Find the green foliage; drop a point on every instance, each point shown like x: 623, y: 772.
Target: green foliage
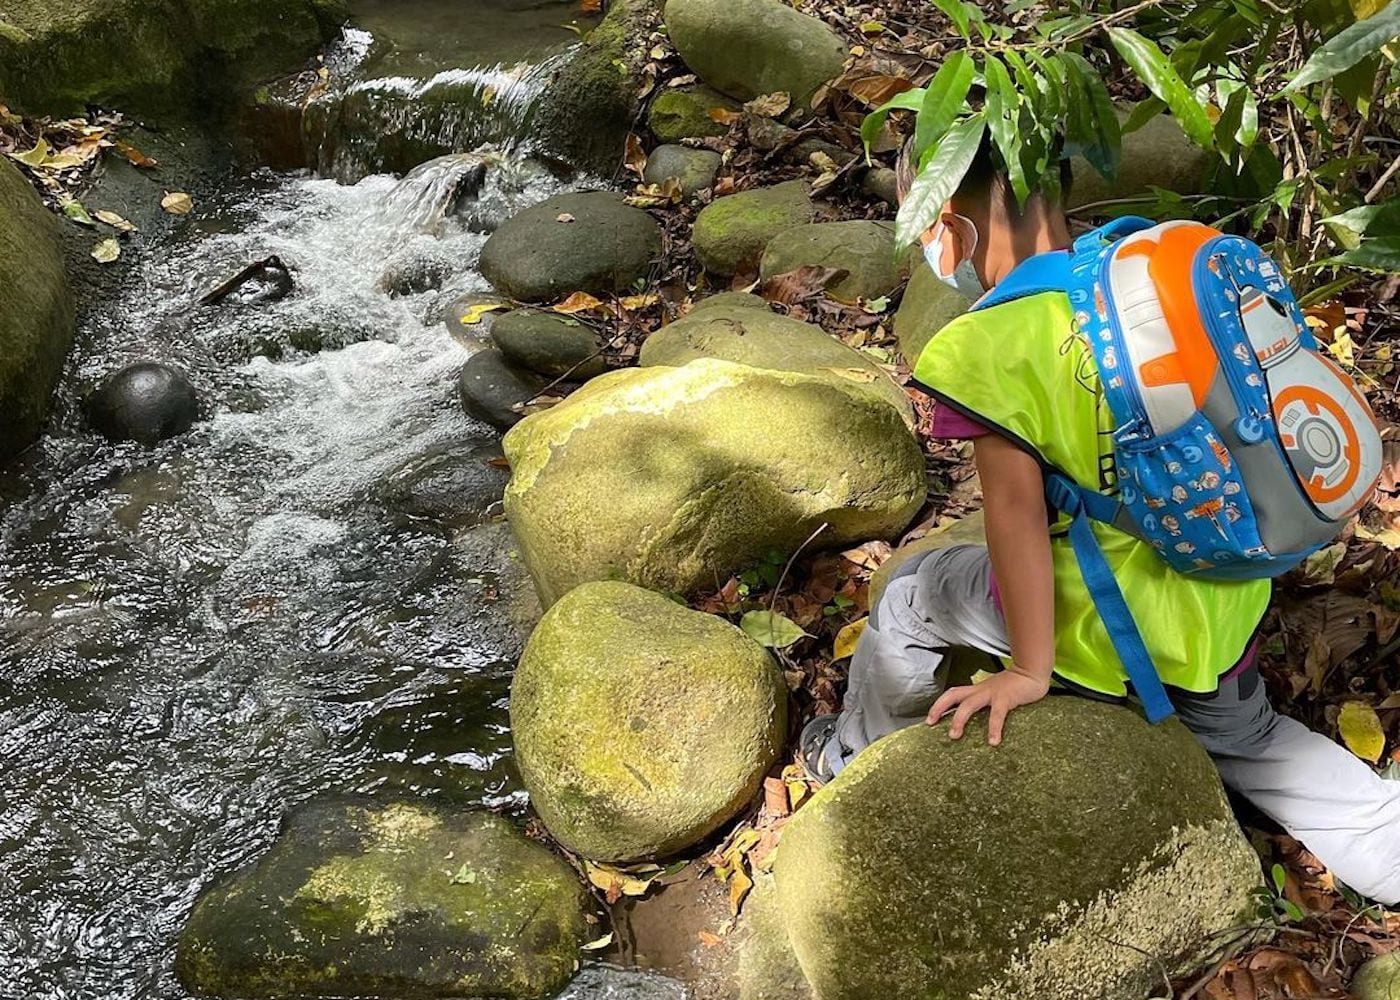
x: 1294, y: 101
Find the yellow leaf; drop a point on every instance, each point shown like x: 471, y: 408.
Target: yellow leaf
x: 739, y: 886
x: 114, y: 220
x: 577, y: 303
x: 1361, y: 730
x: 177, y: 203
x: 476, y: 313
x: 599, y: 944
x: 631, y: 302
x: 1342, y: 348
x: 1389, y: 537
x: 797, y: 792
x: 847, y: 638
x: 106, y: 251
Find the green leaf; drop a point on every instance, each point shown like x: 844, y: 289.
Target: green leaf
x: 1349, y: 46
x: 939, y: 180
x: 1094, y: 124
x: 958, y: 12
x: 1278, y: 876
x: 768, y: 628
x: 910, y: 100
x: 1157, y: 72
x: 1373, y: 255
x: 944, y: 101
x: 1003, y: 112
x: 1143, y: 112
x: 1376, y: 220
x: 73, y: 208
x: 1294, y: 911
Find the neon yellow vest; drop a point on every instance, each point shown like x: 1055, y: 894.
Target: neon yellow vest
x: 1020, y: 368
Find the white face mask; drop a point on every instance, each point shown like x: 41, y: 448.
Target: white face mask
x: 963, y: 275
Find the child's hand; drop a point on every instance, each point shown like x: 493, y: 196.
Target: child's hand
x: 1001, y: 693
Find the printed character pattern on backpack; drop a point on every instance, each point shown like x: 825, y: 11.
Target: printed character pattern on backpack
x: 1240, y: 447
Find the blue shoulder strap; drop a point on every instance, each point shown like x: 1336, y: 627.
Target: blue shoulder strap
x: 1050, y: 272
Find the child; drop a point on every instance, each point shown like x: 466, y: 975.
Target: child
x: 1017, y: 379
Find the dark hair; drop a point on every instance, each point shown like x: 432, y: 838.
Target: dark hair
x: 984, y: 177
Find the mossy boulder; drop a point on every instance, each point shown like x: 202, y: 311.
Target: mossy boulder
x: 640, y: 725
x: 727, y: 300
x: 763, y: 339
x: 969, y: 530
x: 1156, y: 155
x: 750, y: 47
x: 684, y: 113
x: 927, y: 307
x: 861, y: 247
x: 731, y: 233
x: 58, y: 56
x: 675, y: 478
x: 367, y: 899
x: 1379, y: 979
x: 589, y: 103
x: 549, y: 344
x: 693, y: 169
x: 36, y: 311
x: 1078, y: 859
x: 588, y: 242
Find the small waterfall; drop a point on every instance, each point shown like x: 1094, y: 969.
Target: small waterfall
x: 391, y: 124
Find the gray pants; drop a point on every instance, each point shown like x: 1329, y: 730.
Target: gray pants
x: 1314, y: 788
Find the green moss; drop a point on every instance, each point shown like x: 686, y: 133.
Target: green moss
x: 673, y: 478
x: 731, y: 233
x: 684, y: 113
x: 400, y: 900
x: 1086, y: 825
x: 640, y: 725
x: 36, y: 320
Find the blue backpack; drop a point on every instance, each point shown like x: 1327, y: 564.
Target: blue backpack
x: 1240, y: 448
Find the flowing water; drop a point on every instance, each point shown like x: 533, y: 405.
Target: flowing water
x: 310, y: 592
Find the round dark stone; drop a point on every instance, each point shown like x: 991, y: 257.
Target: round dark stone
x: 146, y: 402
x: 490, y: 388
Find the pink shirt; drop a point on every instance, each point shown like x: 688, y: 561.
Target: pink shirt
x: 949, y: 424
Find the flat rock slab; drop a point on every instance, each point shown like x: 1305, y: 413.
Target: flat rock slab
x: 763, y: 339
x: 862, y: 248
x: 640, y: 725
x: 731, y: 233
x: 590, y: 242
x: 400, y: 900
x: 746, y: 48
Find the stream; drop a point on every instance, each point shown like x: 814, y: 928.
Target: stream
x: 308, y: 593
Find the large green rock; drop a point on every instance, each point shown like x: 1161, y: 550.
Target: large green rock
x: 750, y: 47
x: 1078, y: 859
x: 549, y: 344
x: 763, y: 339
x: 1379, y: 979
x: 641, y: 726
x: 398, y: 900
x: 57, y: 56
x: 1156, y: 155
x: 684, y: 113
x: 927, y: 307
x: 731, y: 233
x: 861, y: 247
x: 36, y: 311
x: 675, y: 478
x: 588, y: 242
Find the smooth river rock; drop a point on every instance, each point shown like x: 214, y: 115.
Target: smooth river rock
x: 676, y: 478
x: 589, y: 242
x: 146, y: 402
x: 1379, y: 979
x: 761, y: 338
x: 862, y: 248
x: 36, y: 311
x: 732, y: 232
x: 684, y: 113
x: 401, y: 900
x: 491, y: 388
x: 928, y: 306
x: 693, y: 169
x: 746, y: 48
x: 1066, y: 862
x: 641, y: 726
x: 549, y: 344
x: 1156, y: 155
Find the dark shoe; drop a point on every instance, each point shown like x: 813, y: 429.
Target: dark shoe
x: 816, y: 736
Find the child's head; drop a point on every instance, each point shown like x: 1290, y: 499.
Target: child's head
x: 982, y: 231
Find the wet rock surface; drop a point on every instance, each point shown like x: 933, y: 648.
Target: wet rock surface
x: 491, y: 388
x: 391, y: 900
x: 36, y: 311
x: 640, y: 725
x: 146, y: 403
x: 590, y: 242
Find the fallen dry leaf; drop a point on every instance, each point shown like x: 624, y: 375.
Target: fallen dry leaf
x: 177, y: 203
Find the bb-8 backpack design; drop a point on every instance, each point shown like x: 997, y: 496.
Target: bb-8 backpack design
x: 1240, y: 448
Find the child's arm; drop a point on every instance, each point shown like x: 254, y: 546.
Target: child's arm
x: 1019, y: 544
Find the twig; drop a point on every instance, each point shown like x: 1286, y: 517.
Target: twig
x: 773, y: 599
x: 1376, y: 190
x: 564, y: 377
